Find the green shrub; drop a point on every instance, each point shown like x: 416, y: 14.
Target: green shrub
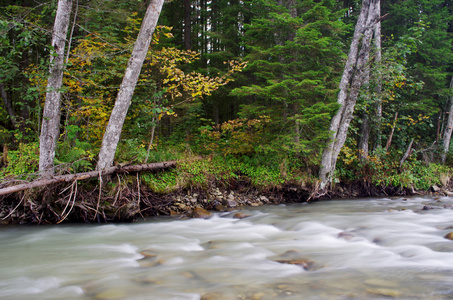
x: 24, y: 160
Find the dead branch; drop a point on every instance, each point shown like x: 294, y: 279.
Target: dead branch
x: 86, y: 175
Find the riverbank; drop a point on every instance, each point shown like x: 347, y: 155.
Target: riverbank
x: 192, y: 186
x: 128, y: 199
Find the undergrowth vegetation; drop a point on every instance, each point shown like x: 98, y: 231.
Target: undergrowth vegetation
x: 263, y: 171
x: 385, y: 169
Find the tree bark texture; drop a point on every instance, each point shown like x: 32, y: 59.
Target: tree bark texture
x: 50, y: 129
x: 87, y: 175
x: 378, y: 88
x: 113, y: 131
x: 351, y: 81
x: 389, y: 140
x: 8, y: 105
x: 187, y: 24
x: 448, y: 127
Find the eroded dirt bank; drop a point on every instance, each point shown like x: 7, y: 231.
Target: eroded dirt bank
x: 127, y: 202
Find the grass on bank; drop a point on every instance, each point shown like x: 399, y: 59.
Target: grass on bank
x: 260, y: 171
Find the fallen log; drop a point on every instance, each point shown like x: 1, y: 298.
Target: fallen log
x: 86, y: 175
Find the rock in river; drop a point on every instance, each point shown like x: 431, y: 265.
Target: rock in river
x: 202, y: 213
x: 449, y: 236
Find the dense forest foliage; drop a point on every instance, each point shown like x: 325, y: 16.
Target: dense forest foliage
x: 251, y: 86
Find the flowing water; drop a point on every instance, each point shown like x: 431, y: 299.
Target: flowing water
x: 346, y: 249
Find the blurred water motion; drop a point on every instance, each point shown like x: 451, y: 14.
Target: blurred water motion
x: 345, y: 249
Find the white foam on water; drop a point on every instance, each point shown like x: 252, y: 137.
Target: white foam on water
x: 21, y: 286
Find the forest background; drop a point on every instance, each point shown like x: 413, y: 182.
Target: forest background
x: 233, y: 90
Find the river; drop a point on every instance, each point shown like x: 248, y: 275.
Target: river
x: 339, y: 249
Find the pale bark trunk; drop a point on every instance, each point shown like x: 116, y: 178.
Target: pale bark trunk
x: 350, y: 84
x: 113, y: 131
x: 378, y: 90
x: 50, y: 129
x: 364, y: 137
x: 407, y: 154
x: 448, y: 128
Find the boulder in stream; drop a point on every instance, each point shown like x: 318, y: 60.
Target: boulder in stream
x: 202, y: 213
x: 449, y: 236
x: 294, y: 257
x: 240, y: 215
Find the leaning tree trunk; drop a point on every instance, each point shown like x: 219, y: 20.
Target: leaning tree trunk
x: 367, y: 120
x: 378, y: 79
x: 448, y: 128
x: 113, y: 131
x: 50, y: 129
x: 351, y: 81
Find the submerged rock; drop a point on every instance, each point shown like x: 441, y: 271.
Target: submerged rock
x: 346, y: 235
x: 116, y: 293
x: 294, y: 257
x: 384, y: 292
x: 240, y: 215
x: 148, y: 260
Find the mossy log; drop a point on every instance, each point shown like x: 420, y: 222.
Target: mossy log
x: 87, y: 175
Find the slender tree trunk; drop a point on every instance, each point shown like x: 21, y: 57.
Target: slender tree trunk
x: 50, y: 129
x: 389, y: 140
x: 8, y: 105
x: 448, y: 127
x: 364, y: 137
x: 187, y: 24
x: 407, y: 153
x: 351, y: 81
x: 113, y: 131
x: 378, y: 88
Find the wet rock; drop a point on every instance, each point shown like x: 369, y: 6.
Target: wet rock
x: 381, y: 283
x: 346, y: 235
x: 257, y: 296
x: 435, y: 189
x: 240, y: 215
x: 384, y: 292
x: 149, y: 259
x: 230, y: 202
x: 112, y: 294
x: 427, y: 207
x: 449, y: 236
x: 444, y: 227
x: 202, y: 213
x: 212, y: 297
x: 219, y: 207
x: 448, y: 193
x: 294, y: 257
x: 306, y: 264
